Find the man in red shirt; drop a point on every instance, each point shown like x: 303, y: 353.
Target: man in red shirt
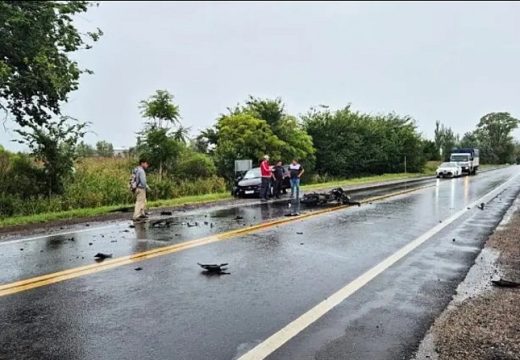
x: 265, y: 171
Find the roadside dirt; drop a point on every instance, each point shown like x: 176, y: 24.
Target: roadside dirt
x: 483, y: 321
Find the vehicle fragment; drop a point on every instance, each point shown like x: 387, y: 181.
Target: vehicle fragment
x: 102, y: 256
x: 335, y: 195
x: 214, y: 268
x: 505, y: 283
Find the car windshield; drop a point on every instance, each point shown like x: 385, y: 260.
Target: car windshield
x: 459, y: 157
x: 447, y: 164
x: 252, y: 174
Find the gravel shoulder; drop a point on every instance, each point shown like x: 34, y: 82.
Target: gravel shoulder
x: 483, y: 320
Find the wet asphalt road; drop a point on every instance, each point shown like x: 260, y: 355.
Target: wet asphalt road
x: 169, y: 310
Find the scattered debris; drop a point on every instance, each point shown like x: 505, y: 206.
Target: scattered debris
x: 41, y: 251
x: 301, y: 243
x: 211, y: 225
x: 72, y: 239
x: 299, y: 233
x: 138, y: 269
x: 90, y: 244
x: 206, y: 223
x: 113, y: 241
x: 103, y: 236
x: 101, y: 256
x: 469, y: 208
x: 166, y: 213
x: 191, y: 225
x: 21, y: 249
x: 87, y: 225
x: 131, y: 226
x: 505, y: 283
x: 126, y: 231
x: 453, y: 239
x: 214, y: 269
x: 239, y: 218
x: 481, y: 206
x: 177, y: 234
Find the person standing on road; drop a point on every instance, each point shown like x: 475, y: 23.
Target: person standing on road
x: 266, y: 173
x: 278, y: 174
x: 296, y: 171
x: 140, y: 187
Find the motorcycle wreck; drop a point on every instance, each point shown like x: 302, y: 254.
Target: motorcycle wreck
x: 337, y: 195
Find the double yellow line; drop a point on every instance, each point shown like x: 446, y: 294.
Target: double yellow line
x: 52, y: 278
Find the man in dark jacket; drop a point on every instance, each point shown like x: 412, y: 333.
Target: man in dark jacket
x: 278, y: 173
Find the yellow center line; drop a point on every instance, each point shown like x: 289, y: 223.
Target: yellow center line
x: 52, y: 278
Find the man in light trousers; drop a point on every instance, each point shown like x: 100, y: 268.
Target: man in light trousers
x: 140, y: 191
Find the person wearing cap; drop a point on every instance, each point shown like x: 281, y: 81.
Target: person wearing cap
x: 265, y: 172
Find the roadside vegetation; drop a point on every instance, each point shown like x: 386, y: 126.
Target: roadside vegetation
x: 61, y: 176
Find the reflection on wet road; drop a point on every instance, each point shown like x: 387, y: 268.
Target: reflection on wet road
x: 169, y: 310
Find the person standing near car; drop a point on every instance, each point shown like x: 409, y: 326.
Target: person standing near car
x: 296, y: 171
x: 266, y: 174
x: 278, y: 174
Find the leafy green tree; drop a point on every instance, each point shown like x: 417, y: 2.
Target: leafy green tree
x: 161, y: 143
x: 494, y: 135
x: 160, y: 149
x: 36, y: 72
x: 160, y: 110
x: 469, y: 140
x: 54, y: 144
x: 298, y: 144
x: 242, y: 136
x: 206, y: 141
x: 104, y: 149
x: 430, y: 151
x: 445, y: 140
x: 193, y: 165
x: 350, y: 143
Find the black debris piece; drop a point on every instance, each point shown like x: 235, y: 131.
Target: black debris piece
x: 131, y: 226
x: 72, y: 239
x: 103, y: 236
x: 214, y: 269
x: 21, y: 249
x: 239, y: 218
x: 453, y: 239
x: 113, y: 241
x: 166, y: 213
x: 206, y: 223
x: 191, y: 225
x: 177, y: 234
x: 301, y: 243
x: 138, y: 269
x: 100, y: 256
x: 90, y: 244
x: 299, y: 233
x: 481, y: 206
x: 87, y: 225
x: 211, y: 225
x: 126, y: 231
x: 505, y: 283
x: 41, y: 251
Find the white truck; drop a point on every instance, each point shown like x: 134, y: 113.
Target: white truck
x: 467, y: 159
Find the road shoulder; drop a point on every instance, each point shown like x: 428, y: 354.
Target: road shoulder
x: 483, y: 321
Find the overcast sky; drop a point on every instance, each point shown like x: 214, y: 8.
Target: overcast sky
x: 452, y: 62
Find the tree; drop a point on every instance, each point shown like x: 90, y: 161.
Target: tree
x: 159, y: 145
x: 36, y: 73
x: 160, y: 149
x: 54, y: 144
x: 445, y: 140
x: 242, y: 136
x: 494, y: 134
x: 104, y: 149
x: 160, y: 110
x: 298, y: 144
x: 350, y: 143
x: 469, y: 140
x: 206, y: 141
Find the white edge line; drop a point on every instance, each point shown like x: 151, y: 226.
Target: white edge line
x: 6, y: 242
x: 275, y: 341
